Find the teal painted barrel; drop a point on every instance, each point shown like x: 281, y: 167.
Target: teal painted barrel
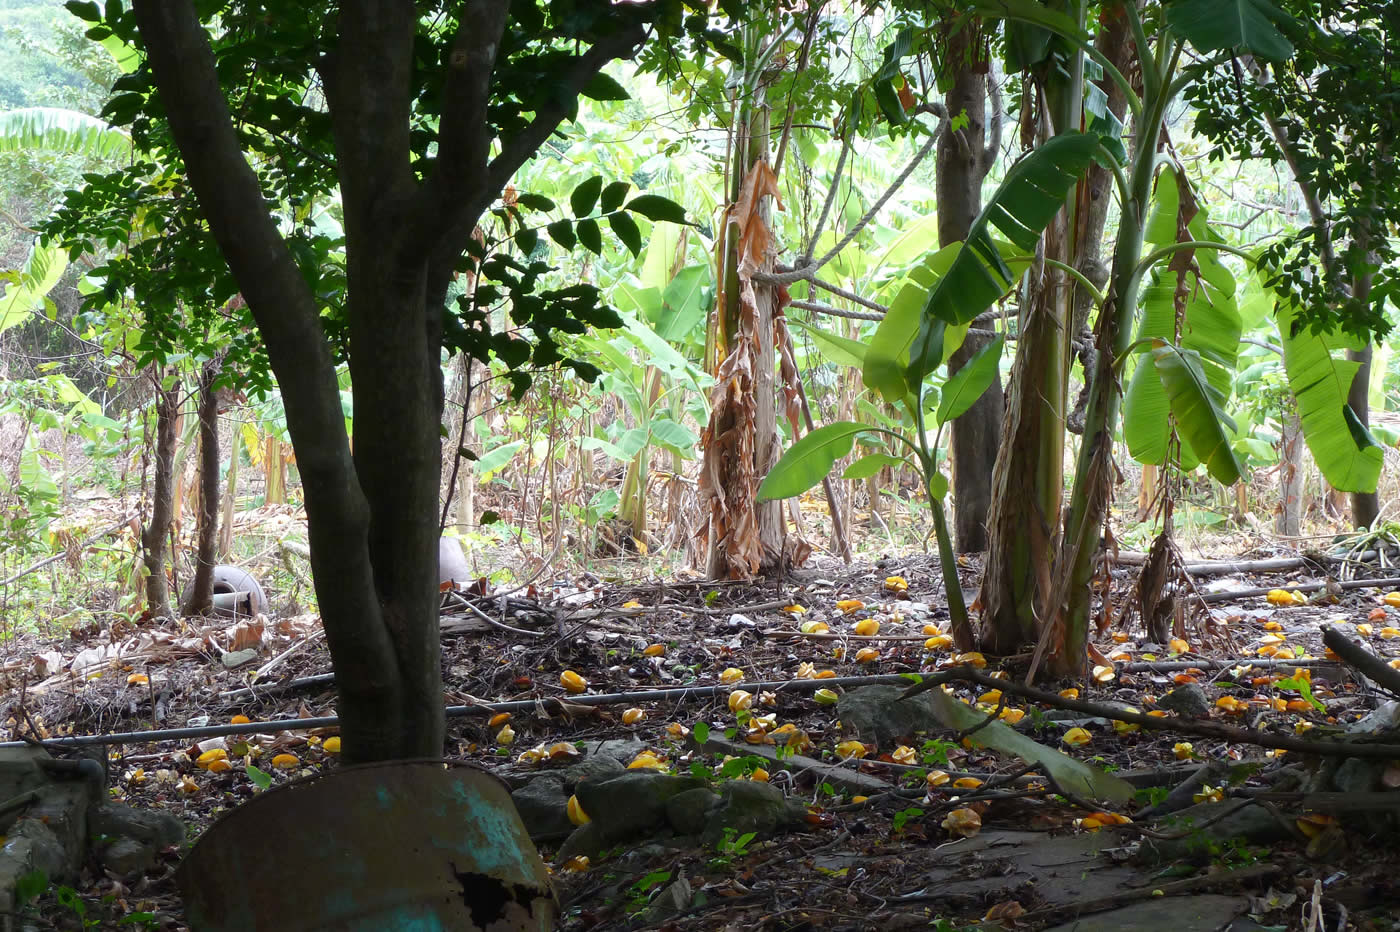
x: 403, y: 846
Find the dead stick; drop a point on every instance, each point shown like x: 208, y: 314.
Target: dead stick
x: 1373, y: 667
x: 1390, y: 581
x: 1176, y: 724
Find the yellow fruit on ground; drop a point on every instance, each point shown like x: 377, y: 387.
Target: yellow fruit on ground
x: 573, y: 682
x: 632, y: 716
x: 576, y: 813
x: 867, y: 627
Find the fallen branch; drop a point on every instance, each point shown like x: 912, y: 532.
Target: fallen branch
x: 1388, y: 581
x: 1206, y: 729
x: 1355, y: 654
x: 1231, y: 567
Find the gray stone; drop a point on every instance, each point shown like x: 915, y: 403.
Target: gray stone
x: 675, y: 897
x: 593, y: 767
x: 586, y: 841
x: 237, y: 658
x: 632, y: 803
x: 1358, y: 776
x: 1178, y: 913
x: 157, y: 828
x: 689, y: 812
x: 543, y: 807
x: 127, y: 857
x: 1243, y: 821
x: 1188, y: 701
x: 746, y: 806
x: 20, y: 770
x: 620, y: 749
x: 876, y: 714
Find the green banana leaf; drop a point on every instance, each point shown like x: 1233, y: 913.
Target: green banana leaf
x: 55, y: 129
x: 1211, y: 327
x: 1349, y: 457
x: 1199, y: 409
x: 809, y: 460
x: 1072, y: 774
x: 1246, y: 25
x: 870, y: 464
x: 840, y: 350
x: 969, y: 383
x: 1032, y: 193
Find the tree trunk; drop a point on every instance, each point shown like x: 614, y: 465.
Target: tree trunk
x: 157, y: 529
x: 372, y: 517
x: 1289, y: 522
x: 741, y: 441
x: 964, y: 157
x: 199, y: 598
x: 230, y: 508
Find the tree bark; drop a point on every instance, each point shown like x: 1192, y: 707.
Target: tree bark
x: 1291, y: 476
x: 963, y: 158
x: 372, y: 517
x: 199, y: 598
x: 157, y: 529
x: 1365, y: 506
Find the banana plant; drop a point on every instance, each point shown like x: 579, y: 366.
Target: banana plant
x: 812, y: 458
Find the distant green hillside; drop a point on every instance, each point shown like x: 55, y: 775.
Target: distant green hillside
x: 41, y: 63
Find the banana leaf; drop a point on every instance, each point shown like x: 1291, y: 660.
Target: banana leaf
x: 1349, y: 457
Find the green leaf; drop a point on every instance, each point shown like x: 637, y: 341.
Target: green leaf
x: 870, y: 464
x: 496, y: 459
x: 969, y: 383
x: 526, y: 238
x: 562, y: 232
x: 655, y: 207
x: 1348, y: 456
x: 840, y: 350
x: 675, y: 435
x: 590, y: 236
x: 534, y: 202
x: 1245, y: 25
x: 684, y: 302
x: 53, y: 129
x: 887, y: 353
x: 1034, y: 190
x: 613, y: 196
x: 809, y: 460
x: 626, y: 229
x: 938, y: 486
x: 583, y: 198
x: 1198, y: 408
x: 261, y: 778
x: 1073, y: 775
x: 604, y: 87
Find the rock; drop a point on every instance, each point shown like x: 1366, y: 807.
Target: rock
x: 127, y: 857
x: 586, y: 841
x: 689, y: 812
x: 741, y: 622
x: 676, y: 896
x: 631, y: 803
x: 876, y: 714
x: 1244, y: 821
x: 1188, y: 701
x: 1355, y: 775
x: 619, y: 749
x: 594, y: 767
x: 1178, y: 913
x: 746, y: 806
x: 157, y: 828
x: 543, y: 806
x: 237, y: 658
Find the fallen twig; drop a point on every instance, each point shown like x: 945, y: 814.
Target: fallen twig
x: 1208, y: 729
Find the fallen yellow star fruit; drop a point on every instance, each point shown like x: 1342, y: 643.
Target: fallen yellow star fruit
x: 1076, y: 737
x: 867, y: 627
x: 573, y: 682
x: 576, y: 813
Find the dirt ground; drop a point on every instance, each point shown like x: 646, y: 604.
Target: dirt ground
x: 871, y: 859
